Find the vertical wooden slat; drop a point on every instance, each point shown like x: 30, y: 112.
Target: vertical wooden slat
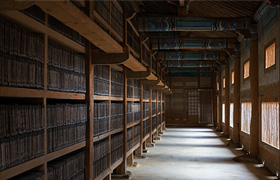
x: 150, y: 140
x: 237, y: 112
x: 254, y: 82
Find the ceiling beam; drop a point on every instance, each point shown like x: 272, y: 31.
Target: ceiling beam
x: 192, y: 43
x: 166, y: 24
x: 187, y: 55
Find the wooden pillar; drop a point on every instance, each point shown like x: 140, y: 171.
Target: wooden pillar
x: 254, y: 82
x: 220, y: 101
x: 90, y: 108
x: 237, y: 111
x: 90, y: 103
x: 130, y: 159
x: 121, y: 169
x: 226, y: 130
x: 214, y: 86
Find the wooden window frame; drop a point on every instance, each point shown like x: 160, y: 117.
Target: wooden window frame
x: 272, y: 67
x: 248, y: 60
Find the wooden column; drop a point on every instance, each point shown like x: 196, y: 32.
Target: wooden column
x: 226, y: 130
x: 254, y: 82
x: 237, y: 111
x: 220, y: 101
x: 121, y: 169
x: 90, y: 102
x: 90, y: 108
x: 214, y: 94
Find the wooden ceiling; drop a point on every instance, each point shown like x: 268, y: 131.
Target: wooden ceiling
x: 213, y: 9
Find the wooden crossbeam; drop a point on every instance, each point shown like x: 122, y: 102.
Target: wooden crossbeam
x: 192, y: 43
x: 138, y: 75
x: 15, y: 4
x: 187, y: 55
x: 166, y: 24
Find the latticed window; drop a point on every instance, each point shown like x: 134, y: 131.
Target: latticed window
x: 246, y: 114
x: 246, y: 69
x: 270, y: 123
x: 231, y: 108
x: 270, y: 56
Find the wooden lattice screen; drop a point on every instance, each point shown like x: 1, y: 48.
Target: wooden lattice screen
x: 270, y: 123
x: 205, y: 97
x: 246, y: 114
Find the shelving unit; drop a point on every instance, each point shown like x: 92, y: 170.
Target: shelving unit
x: 99, y: 32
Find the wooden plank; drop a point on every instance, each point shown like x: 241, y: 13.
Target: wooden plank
x: 133, y: 124
x: 37, y: 27
x: 11, y: 172
x: 132, y: 149
x: 145, y: 138
x: 14, y: 4
x: 145, y: 119
x: 152, y: 76
x: 103, y: 175
x: 151, y: 82
x: 100, y: 137
x: 63, y: 95
x: 116, y: 131
x: 133, y: 64
x: 71, y: 16
x: 64, y: 151
x: 21, y: 92
x: 16, y: 170
x: 116, y: 164
x: 133, y: 99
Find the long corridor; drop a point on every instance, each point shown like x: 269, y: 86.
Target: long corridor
x: 194, y: 154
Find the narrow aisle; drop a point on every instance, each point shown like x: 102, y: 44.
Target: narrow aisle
x: 194, y: 154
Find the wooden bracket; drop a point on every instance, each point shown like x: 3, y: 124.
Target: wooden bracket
x: 230, y: 51
x: 245, y: 33
x: 109, y: 58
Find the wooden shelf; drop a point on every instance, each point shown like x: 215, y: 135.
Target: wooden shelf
x: 107, y: 98
x: 154, y: 100
x: 116, y: 164
x: 132, y: 149
x: 64, y: 151
x: 16, y: 170
x: 146, y: 100
x: 133, y: 99
x: 37, y: 27
x: 154, y: 131
x: 100, y: 137
x: 152, y: 77
x: 133, y: 64
x: 36, y: 93
x: 145, y: 119
x: 73, y: 17
x: 116, y: 131
x: 154, y: 115
x: 104, y: 174
x: 145, y: 138
x: 133, y: 124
